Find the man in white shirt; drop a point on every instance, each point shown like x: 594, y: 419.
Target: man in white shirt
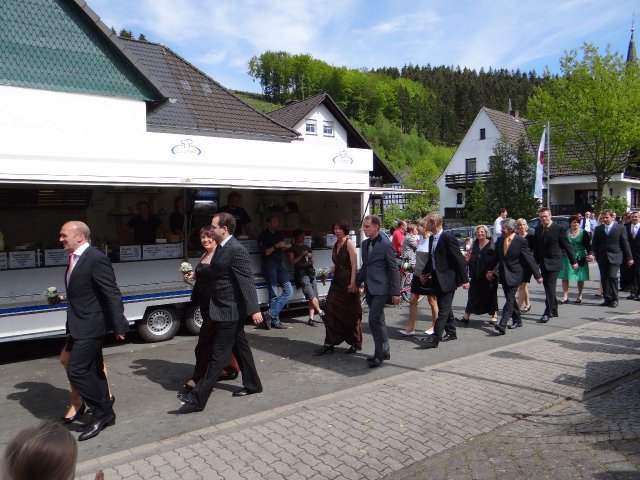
x: 588, y: 223
x: 633, y: 234
x: 497, y: 225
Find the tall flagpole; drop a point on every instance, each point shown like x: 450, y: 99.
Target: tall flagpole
x: 548, y: 164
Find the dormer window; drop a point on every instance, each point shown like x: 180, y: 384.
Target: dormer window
x: 483, y: 134
x: 327, y: 128
x: 310, y: 127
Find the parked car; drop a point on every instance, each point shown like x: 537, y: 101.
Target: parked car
x: 563, y: 220
x: 461, y: 233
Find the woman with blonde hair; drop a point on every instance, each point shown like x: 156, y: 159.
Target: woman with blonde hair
x: 524, y: 300
x: 44, y: 452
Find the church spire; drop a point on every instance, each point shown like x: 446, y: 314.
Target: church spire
x: 631, y: 52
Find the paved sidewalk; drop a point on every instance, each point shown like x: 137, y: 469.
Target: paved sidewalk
x: 376, y: 429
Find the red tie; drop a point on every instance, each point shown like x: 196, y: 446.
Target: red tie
x: 72, y: 263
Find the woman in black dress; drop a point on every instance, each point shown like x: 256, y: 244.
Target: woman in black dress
x: 343, y: 311
x: 201, y: 295
x: 483, y: 293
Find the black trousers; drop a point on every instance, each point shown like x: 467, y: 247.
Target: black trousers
x: 229, y: 338
x: 549, y: 282
x: 445, y: 321
x: 510, y: 309
x: 609, y: 279
x: 85, y: 372
x: 635, y: 278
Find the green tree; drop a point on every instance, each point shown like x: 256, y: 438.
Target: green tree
x: 594, y: 104
x: 476, y: 208
x: 509, y: 182
x: 617, y: 204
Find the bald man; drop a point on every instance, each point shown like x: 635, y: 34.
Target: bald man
x: 94, y: 308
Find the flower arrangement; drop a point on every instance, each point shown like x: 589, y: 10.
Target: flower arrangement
x: 186, y: 267
x: 51, y: 295
x: 323, y: 273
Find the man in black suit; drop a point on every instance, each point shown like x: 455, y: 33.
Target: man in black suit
x: 94, y: 308
x: 550, y: 240
x: 633, y: 235
x: 610, y: 246
x: 446, y: 269
x: 381, y: 278
x: 513, y: 258
x: 234, y: 299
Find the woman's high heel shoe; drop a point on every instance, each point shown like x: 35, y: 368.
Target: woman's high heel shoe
x: 323, y: 349
x: 352, y: 349
x: 72, y: 418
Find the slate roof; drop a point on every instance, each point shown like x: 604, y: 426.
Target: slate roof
x: 509, y: 127
x: 202, y: 105
x: 292, y: 114
x: 63, y: 46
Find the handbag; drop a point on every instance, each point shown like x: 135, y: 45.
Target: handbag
x: 581, y: 261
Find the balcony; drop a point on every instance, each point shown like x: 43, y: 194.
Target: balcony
x: 632, y: 171
x: 464, y: 180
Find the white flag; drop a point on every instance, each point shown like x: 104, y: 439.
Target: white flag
x: 538, y: 180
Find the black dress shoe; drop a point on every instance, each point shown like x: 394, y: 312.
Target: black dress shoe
x: 243, y: 392
x: 448, y: 337
x: 514, y: 325
x: 632, y: 297
x: 543, y: 319
x: 385, y: 356
x: 95, y: 427
x: 352, y: 349
x: 605, y: 304
x: 463, y: 320
x: 430, y: 342
x: 279, y: 326
x: 228, y: 376
x: 500, y: 329
x: 185, y: 409
x: 613, y: 304
x: 374, y: 362
x: 323, y: 349
x: 187, y: 398
x: 72, y: 418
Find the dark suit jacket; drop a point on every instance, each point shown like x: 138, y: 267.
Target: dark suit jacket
x: 234, y: 295
x: 516, y: 262
x: 379, y: 270
x: 94, y: 299
x: 634, y: 244
x: 612, y: 248
x: 449, y: 264
x: 549, y: 247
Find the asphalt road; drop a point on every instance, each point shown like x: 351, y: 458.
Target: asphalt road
x: 146, y: 377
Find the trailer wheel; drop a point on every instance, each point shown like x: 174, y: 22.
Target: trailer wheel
x: 193, y: 319
x: 159, y: 324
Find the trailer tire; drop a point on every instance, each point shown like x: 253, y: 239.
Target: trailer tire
x: 159, y: 324
x: 193, y: 319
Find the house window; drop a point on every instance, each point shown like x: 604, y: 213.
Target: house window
x: 459, y: 198
x: 310, y: 127
x: 635, y: 198
x: 483, y: 134
x: 327, y: 128
x: 470, y: 166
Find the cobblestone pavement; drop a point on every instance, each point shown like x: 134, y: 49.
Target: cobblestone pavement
x: 434, y: 420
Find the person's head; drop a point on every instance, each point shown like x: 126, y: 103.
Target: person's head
x: 224, y: 224
x: 634, y: 217
x: 481, y: 232
x: 503, y: 212
x: 44, y: 452
x: 608, y: 216
x: 206, y: 236
x: 574, y: 222
x: 467, y: 241
x: 298, y: 236
x: 508, y: 226
x: 73, y: 234
x: 233, y: 199
x: 272, y: 222
x: 626, y: 218
x: 402, y: 225
x: 422, y: 226
x: 522, y: 227
x: 434, y: 222
x: 178, y: 204
x: 340, y: 228
x: 371, y: 226
x: 143, y: 208
x: 587, y: 214
x: 544, y: 214
x: 579, y: 215
x: 411, y: 228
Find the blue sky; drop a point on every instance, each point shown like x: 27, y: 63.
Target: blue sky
x: 220, y: 36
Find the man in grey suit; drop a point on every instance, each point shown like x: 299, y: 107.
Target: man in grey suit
x: 381, y: 277
x: 234, y: 299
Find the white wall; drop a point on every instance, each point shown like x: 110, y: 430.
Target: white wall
x: 320, y: 114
